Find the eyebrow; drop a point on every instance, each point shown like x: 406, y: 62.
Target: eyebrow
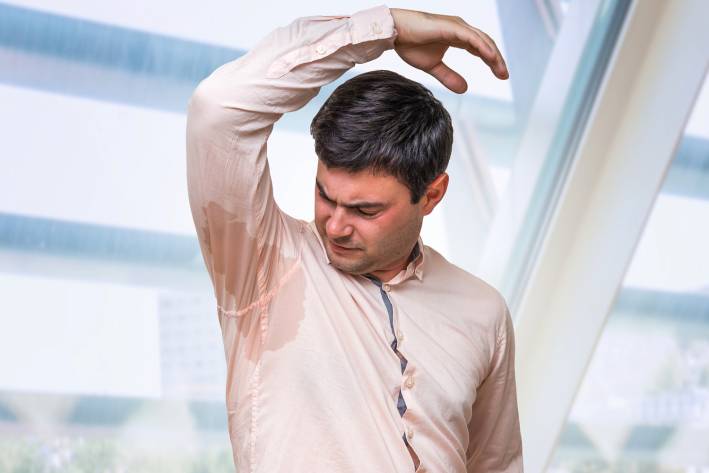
x: 352, y: 205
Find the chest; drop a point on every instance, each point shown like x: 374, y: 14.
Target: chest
x: 327, y: 337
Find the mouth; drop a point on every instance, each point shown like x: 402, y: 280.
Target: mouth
x: 340, y: 249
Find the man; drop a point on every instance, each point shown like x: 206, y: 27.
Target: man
x: 350, y: 345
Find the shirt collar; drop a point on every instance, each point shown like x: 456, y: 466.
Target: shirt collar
x: 414, y: 268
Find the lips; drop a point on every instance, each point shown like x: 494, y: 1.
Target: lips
x: 340, y: 248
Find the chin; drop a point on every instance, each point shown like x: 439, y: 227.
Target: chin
x: 347, y: 266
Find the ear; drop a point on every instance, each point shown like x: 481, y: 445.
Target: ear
x: 434, y: 193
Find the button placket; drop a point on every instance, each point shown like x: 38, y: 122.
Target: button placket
x: 385, y: 292
x: 398, y: 333
x: 408, y: 381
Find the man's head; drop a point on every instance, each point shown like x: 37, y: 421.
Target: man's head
x: 383, y: 143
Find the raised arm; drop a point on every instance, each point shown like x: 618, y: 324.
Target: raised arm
x: 245, y: 239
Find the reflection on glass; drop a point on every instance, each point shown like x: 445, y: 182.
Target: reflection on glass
x: 644, y: 403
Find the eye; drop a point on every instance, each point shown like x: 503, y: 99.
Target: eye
x: 322, y: 196
x: 367, y: 214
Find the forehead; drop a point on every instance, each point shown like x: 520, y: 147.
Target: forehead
x: 361, y: 185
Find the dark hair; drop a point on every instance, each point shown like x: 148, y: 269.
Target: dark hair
x: 387, y: 123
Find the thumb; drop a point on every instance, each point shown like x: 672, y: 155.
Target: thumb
x: 449, y: 78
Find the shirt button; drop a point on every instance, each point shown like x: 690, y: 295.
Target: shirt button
x: 410, y: 433
x: 410, y: 382
x: 320, y: 49
x: 386, y: 287
x: 376, y: 29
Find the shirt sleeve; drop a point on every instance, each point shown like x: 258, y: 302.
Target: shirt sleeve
x: 245, y: 239
x: 495, y: 440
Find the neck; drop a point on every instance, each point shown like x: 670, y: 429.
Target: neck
x: 386, y: 275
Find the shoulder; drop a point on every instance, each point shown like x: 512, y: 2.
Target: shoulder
x: 485, y: 303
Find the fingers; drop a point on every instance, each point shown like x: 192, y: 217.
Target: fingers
x: 449, y: 78
x: 478, y: 43
x: 501, y: 66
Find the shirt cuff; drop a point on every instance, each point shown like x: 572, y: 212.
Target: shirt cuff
x: 373, y: 23
x: 362, y: 27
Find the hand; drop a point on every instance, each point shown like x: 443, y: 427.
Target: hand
x: 423, y: 38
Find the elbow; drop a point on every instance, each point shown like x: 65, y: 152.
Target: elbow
x: 202, y: 102
x: 218, y: 105
x: 207, y: 117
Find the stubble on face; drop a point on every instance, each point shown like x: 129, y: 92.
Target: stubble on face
x: 382, y: 245
x: 390, y: 251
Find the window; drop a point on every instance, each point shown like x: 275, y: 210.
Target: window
x: 110, y: 351
x: 644, y: 402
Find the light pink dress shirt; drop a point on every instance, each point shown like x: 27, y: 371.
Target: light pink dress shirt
x: 312, y: 380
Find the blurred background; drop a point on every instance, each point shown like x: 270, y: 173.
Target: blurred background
x: 579, y: 188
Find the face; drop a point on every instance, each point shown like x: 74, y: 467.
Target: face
x: 367, y: 222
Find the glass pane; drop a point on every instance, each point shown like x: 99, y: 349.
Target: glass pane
x: 644, y: 403
x: 110, y: 351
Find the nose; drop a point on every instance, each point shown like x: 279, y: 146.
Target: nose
x: 337, y: 225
